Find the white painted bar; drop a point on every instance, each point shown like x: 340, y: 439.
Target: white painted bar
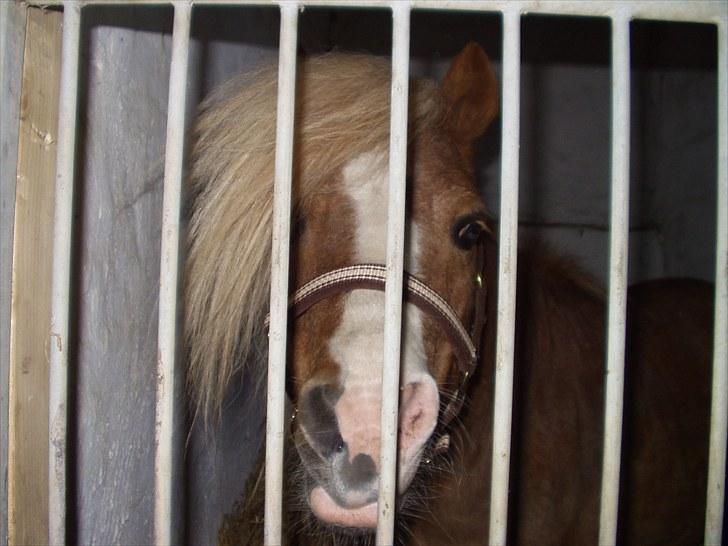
x: 164, y: 456
x: 62, y: 230
x: 507, y: 265
x: 275, y: 430
x: 719, y: 409
x: 395, y: 272
x: 617, y: 297
x: 705, y: 11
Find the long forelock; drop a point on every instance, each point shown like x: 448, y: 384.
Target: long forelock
x: 342, y: 111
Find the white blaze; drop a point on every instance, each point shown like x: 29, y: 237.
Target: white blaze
x: 357, y: 344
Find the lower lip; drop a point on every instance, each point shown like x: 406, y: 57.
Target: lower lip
x: 326, y: 509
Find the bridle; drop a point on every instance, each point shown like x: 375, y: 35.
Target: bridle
x: 373, y: 277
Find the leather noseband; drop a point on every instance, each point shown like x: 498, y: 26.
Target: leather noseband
x: 373, y: 277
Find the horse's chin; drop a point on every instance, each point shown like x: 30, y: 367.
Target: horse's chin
x: 357, y: 516
x: 330, y: 512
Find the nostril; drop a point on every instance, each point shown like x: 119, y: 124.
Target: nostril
x: 411, y: 425
x: 330, y: 444
x: 318, y: 420
x: 419, y: 406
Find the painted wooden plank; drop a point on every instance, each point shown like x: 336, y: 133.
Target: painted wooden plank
x: 12, y: 43
x: 31, y: 282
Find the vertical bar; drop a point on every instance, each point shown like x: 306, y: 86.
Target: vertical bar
x: 617, y: 298
x: 12, y: 48
x: 507, y: 266
x: 168, y: 286
x: 32, y: 278
x: 719, y: 409
x: 275, y: 431
x: 395, y: 268
x: 63, y: 218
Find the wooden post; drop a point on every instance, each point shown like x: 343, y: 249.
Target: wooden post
x: 31, y: 281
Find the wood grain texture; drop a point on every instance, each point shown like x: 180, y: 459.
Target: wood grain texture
x: 31, y: 281
x: 12, y: 43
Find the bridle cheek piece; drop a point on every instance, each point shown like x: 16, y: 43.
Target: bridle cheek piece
x: 373, y: 277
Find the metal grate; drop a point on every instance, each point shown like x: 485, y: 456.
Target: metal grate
x: 620, y: 13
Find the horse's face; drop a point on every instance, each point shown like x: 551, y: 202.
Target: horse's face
x: 338, y: 344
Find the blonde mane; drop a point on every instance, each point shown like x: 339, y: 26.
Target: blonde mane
x: 342, y: 111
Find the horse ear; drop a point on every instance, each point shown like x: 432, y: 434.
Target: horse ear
x: 470, y: 94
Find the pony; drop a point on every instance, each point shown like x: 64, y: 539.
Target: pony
x: 340, y: 176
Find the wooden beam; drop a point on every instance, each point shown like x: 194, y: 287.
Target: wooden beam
x: 31, y: 281
x: 12, y: 45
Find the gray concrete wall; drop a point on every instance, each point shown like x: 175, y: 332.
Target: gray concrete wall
x: 126, y: 56
x: 118, y: 221
x: 564, y: 199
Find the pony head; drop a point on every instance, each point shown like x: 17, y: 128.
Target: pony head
x: 340, y: 213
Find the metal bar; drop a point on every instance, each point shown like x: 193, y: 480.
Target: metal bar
x: 275, y: 422
x: 507, y: 266
x: 706, y: 11
x: 62, y: 229
x: 395, y: 272
x: 164, y: 532
x: 719, y: 409
x: 617, y: 298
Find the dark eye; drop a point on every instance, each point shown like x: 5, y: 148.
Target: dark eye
x: 468, y: 231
